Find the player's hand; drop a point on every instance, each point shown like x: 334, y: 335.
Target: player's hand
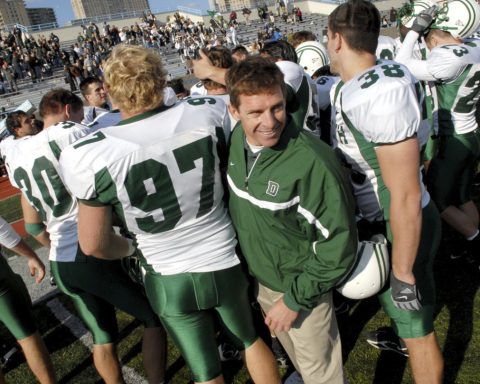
x: 36, y: 269
x: 404, y: 295
x: 202, y: 67
x: 280, y: 318
x: 424, y: 20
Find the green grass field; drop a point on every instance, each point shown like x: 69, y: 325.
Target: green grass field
x: 457, y: 324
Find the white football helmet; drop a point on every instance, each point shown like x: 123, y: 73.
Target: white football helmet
x: 459, y: 17
x: 312, y: 55
x: 409, y: 11
x: 370, y: 272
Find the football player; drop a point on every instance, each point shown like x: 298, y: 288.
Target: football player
x: 158, y: 170
x: 50, y: 212
x: 454, y: 65
x: 16, y: 307
x: 377, y: 117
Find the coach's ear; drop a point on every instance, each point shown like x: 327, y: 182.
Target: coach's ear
x: 234, y: 112
x: 67, y: 110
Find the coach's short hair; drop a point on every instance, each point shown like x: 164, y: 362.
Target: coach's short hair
x: 52, y: 102
x: 135, y: 78
x: 252, y: 76
x: 358, y: 21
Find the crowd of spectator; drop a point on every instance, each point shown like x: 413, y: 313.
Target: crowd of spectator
x: 29, y: 58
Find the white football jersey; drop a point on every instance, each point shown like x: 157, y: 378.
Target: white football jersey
x: 160, y: 171
x: 107, y: 119
x: 457, y: 70
x: 324, y: 85
x: 34, y: 169
x: 226, y: 98
x: 419, y: 52
x: 378, y: 106
x: 198, y: 89
x: 303, y: 109
x: 90, y: 114
x: 386, y: 48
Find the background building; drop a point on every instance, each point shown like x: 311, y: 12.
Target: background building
x: 230, y: 5
x: 83, y: 9
x: 42, y: 16
x: 13, y: 12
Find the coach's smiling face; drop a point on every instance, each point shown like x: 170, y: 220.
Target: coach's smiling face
x: 263, y: 116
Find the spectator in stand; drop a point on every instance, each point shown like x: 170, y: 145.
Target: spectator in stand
x: 299, y: 15
x: 233, y: 17
x: 69, y: 78
x: 8, y: 77
x: 277, y: 7
x: 246, y: 13
x: 393, y: 17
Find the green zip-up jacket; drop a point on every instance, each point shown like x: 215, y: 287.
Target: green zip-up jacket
x: 294, y: 215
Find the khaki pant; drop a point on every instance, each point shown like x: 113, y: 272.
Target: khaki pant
x: 313, y: 342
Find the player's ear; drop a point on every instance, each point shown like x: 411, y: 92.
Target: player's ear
x: 338, y: 41
x: 67, y: 111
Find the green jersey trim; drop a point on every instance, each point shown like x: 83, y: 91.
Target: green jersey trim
x: 372, y: 161
x: 55, y: 149
x: 107, y: 192
x: 92, y: 203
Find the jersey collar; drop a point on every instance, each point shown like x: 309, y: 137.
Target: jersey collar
x: 143, y: 115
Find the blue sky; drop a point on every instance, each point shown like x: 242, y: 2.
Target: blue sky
x: 63, y: 8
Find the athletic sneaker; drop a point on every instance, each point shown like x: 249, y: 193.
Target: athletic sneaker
x: 6, y: 354
x: 294, y: 378
x: 228, y: 352
x: 385, y: 339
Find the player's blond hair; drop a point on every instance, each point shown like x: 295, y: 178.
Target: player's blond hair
x: 135, y: 78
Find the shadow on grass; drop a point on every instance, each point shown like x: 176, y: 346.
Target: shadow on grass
x: 390, y: 366
x: 457, y: 284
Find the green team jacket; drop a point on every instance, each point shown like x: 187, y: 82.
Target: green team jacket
x: 294, y: 215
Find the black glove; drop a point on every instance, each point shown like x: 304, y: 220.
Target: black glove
x: 424, y: 20
x: 405, y: 296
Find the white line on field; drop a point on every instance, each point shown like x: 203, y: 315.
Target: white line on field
x: 75, y: 325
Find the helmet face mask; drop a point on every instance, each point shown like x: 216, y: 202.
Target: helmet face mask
x: 312, y: 56
x: 409, y: 11
x: 461, y: 18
